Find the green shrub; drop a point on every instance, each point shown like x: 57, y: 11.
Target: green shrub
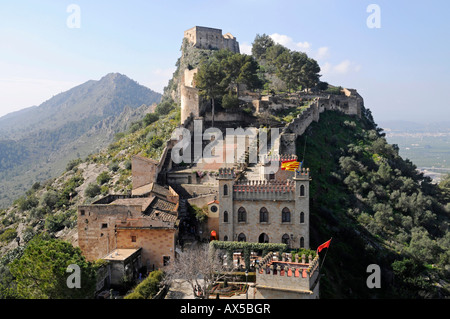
x: 114, y: 166
x: 104, y: 190
x: 134, y: 127
x: 26, y: 203
x: 8, y: 235
x: 150, y: 118
x: 57, y: 222
x: 148, y: 288
x: 49, y: 199
x: 54, y: 223
x: 92, y: 190
x: 156, y: 142
x: 134, y: 295
x: 230, y: 101
x: 71, y: 164
x: 103, y: 178
x: 164, y: 107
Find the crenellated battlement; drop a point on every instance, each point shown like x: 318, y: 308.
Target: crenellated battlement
x: 264, y: 190
x: 226, y: 173
x: 288, y: 274
x: 278, y: 158
x: 302, y: 173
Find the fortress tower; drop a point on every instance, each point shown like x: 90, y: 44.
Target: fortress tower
x: 210, y: 38
x: 201, y: 38
x: 264, y: 211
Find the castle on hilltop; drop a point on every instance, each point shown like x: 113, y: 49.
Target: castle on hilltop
x: 210, y: 38
x: 254, y: 201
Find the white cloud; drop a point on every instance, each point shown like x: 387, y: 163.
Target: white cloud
x: 322, y: 53
x: 343, y: 67
x: 304, y: 46
x: 245, y: 48
x: 326, y: 68
x: 289, y: 43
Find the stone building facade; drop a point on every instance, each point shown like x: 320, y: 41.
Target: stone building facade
x: 145, y: 170
x: 266, y: 210
x: 129, y: 222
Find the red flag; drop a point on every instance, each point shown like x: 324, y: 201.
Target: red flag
x: 324, y: 245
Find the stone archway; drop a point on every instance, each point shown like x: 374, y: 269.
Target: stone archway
x: 263, y: 238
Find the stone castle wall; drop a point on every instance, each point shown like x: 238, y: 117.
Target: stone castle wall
x: 351, y: 103
x: 287, y: 279
x: 210, y: 38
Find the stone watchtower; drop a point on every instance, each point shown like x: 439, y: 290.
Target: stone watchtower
x: 302, y: 180
x: 264, y: 211
x: 226, y: 182
x: 210, y: 38
x: 207, y: 39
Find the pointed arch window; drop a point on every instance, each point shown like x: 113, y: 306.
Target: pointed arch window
x: 285, y: 215
x: 242, y: 215
x: 285, y: 239
x: 225, y: 217
x: 263, y: 215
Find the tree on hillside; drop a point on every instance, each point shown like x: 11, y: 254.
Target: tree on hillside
x: 260, y: 46
x: 274, y: 52
x: 289, y: 68
x: 310, y: 73
x: 40, y: 273
x: 223, y: 72
x: 209, y: 80
x: 241, y: 69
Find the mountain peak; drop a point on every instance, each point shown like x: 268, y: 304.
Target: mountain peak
x: 114, y: 77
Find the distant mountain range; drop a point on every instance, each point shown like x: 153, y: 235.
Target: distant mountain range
x: 409, y: 126
x: 37, y: 142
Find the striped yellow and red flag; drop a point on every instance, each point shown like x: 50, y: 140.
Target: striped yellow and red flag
x: 290, y: 165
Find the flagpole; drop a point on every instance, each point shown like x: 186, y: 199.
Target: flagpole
x: 304, y: 150
x: 323, y: 259
x: 320, y: 267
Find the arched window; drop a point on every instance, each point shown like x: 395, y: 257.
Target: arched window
x: 225, y: 238
x: 225, y: 190
x: 302, y: 242
x: 285, y: 239
x: 263, y: 238
x: 302, y: 217
x: 285, y: 215
x: 241, y: 237
x: 242, y: 215
x: 225, y: 217
x: 302, y: 190
x: 263, y: 215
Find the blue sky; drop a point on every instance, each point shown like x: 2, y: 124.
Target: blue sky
x: 401, y: 69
